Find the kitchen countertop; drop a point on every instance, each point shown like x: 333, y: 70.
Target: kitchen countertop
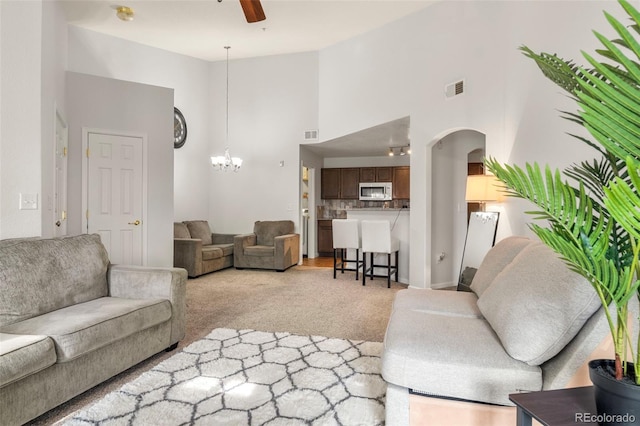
x: 376, y: 209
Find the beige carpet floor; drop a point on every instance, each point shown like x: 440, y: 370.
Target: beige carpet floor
x: 302, y: 300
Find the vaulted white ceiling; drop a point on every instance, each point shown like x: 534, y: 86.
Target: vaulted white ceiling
x: 201, y: 28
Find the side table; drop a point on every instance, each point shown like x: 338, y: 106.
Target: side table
x: 558, y: 407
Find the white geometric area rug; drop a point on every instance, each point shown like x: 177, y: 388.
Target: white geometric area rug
x: 246, y: 377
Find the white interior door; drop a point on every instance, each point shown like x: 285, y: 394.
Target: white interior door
x: 115, y: 195
x: 60, y: 185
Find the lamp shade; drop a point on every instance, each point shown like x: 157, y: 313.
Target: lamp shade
x: 482, y: 188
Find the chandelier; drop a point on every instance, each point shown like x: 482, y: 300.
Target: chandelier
x: 227, y: 162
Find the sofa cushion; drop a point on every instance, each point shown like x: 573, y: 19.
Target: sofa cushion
x: 227, y: 249
x: 84, y: 327
x: 537, y: 305
x: 260, y: 251
x: 200, y: 230
x: 266, y: 231
x: 211, y: 252
x: 23, y: 355
x: 495, y: 261
x: 41, y: 275
x: 443, y: 302
x: 180, y: 230
x: 452, y: 356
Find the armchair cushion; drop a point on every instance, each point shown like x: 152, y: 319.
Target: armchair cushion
x: 260, y: 251
x: 267, y: 231
x: 200, y: 229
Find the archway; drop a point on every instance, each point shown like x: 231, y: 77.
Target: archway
x: 450, y: 165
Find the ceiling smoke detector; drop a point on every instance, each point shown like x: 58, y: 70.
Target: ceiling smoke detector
x: 124, y: 13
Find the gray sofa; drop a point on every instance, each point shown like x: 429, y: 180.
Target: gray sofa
x: 272, y: 245
x: 528, y: 324
x: 198, y: 250
x: 70, y: 320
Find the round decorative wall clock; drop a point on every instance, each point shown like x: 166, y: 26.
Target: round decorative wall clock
x: 179, y: 129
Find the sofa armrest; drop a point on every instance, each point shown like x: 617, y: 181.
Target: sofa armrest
x: 287, y: 251
x: 187, y: 254
x: 140, y: 282
x: 223, y: 238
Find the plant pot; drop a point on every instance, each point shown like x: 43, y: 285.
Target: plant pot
x: 617, y: 401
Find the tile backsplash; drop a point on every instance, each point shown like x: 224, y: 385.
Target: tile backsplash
x: 337, y: 209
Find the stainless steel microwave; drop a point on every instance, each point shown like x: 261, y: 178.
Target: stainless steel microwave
x: 375, y: 191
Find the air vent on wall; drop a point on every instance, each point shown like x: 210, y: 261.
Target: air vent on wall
x: 454, y: 89
x: 311, y: 135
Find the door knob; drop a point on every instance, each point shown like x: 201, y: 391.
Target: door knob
x: 136, y: 223
x: 58, y: 223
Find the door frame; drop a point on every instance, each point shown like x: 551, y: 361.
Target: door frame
x: 60, y: 198
x: 85, y: 178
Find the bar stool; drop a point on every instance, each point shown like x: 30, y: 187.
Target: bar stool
x: 346, y: 235
x: 376, y: 238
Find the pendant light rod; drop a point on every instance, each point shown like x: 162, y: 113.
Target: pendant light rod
x: 226, y: 162
x: 227, y: 129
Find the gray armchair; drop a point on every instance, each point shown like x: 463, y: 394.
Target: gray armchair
x: 198, y: 250
x: 272, y: 245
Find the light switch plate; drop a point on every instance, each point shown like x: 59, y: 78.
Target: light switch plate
x: 28, y: 201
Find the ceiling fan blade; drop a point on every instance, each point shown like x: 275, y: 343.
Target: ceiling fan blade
x: 253, y: 10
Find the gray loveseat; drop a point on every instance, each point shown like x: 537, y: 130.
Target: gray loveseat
x: 70, y: 320
x: 198, y: 250
x: 272, y: 245
x: 528, y: 324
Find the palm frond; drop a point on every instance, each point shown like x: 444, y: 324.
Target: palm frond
x: 623, y: 201
x: 556, y: 69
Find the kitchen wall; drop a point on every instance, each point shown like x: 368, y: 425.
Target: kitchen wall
x: 402, y: 70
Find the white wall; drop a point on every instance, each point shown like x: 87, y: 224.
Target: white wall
x: 20, y: 146
x: 108, y: 104
x: 105, y: 56
x: 396, y: 71
x: 272, y: 101
x: 54, y: 65
x: 402, y: 69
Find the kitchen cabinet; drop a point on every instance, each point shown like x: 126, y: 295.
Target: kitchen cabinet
x: 401, y: 189
x: 340, y: 183
x: 325, y: 237
x: 344, y: 183
x: 376, y: 174
x: 367, y: 174
x: 384, y: 174
x: 330, y: 184
x: 349, y: 183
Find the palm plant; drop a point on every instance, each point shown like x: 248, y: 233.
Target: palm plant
x: 594, y: 216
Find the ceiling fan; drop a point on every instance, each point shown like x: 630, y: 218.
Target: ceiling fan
x: 252, y: 10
